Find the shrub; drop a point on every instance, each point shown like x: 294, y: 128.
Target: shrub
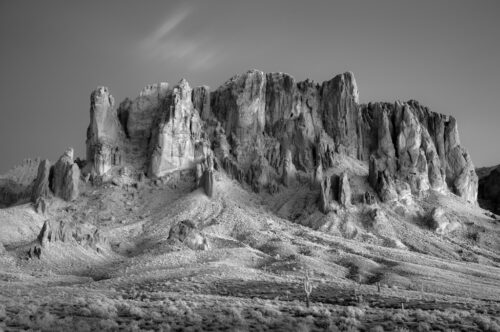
x: 103, y: 308
x: 486, y: 324
x: 423, y: 327
x: 354, y: 312
x: 45, y: 321
x: 349, y: 324
x: 377, y: 328
x: 130, y: 310
x: 82, y: 325
x: 107, y: 324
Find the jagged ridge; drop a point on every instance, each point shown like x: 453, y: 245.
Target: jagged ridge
x: 262, y: 128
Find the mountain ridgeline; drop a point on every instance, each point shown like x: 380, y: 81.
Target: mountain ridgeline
x: 267, y: 129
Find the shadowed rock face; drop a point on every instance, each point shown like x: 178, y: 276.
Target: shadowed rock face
x: 489, y: 189
x: 264, y: 128
x: 16, y: 185
x: 41, y: 186
x: 409, y: 143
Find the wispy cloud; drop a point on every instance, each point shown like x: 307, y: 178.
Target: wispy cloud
x: 169, y: 43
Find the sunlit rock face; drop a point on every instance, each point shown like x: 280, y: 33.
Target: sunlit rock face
x: 65, y: 177
x: 104, y: 133
x: 177, y: 135
x: 268, y: 129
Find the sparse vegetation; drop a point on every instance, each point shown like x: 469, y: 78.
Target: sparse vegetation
x: 308, y: 287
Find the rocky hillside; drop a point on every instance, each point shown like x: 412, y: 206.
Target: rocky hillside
x: 266, y: 129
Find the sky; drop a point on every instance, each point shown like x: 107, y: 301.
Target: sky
x: 443, y: 53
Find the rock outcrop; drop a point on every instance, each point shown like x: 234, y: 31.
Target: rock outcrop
x: 417, y: 147
x: 41, y: 188
x: 177, y: 141
x: 441, y: 222
x: 16, y: 185
x: 65, y: 231
x: 265, y: 129
x: 489, y: 189
x: 65, y: 177
x: 185, y: 232
x: 104, y: 134
x: 201, y: 102
x: 325, y: 195
x: 345, y: 195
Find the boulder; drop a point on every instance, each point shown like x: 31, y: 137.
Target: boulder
x: 185, y: 232
x: 442, y: 222
x: 369, y: 198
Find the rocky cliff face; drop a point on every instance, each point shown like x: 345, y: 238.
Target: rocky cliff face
x: 177, y: 141
x: 65, y: 177
x: 412, y: 146
x: 37, y: 181
x: 104, y: 134
x: 41, y: 188
x: 268, y: 129
x: 489, y: 188
x: 16, y: 185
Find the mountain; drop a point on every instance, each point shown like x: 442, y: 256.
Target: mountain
x: 216, y: 209
x: 255, y: 121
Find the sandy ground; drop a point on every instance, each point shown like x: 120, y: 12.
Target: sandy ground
x: 373, y: 267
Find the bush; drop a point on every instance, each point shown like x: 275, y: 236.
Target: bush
x: 107, y: 324
x: 354, y: 312
x: 130, y: 310
x: 103, y: 308
x: 45, y: 321
x: 423, y: 327
x: 486, y: 324
x: 377, y: 328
